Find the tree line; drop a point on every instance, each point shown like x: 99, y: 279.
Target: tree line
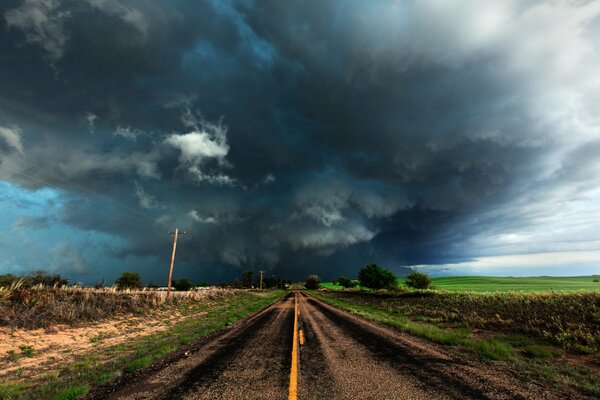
x: 375, y: 277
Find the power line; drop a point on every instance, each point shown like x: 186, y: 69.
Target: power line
x: 137, y: 220
x: 67, y: 181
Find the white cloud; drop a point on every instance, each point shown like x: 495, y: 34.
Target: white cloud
x: 269, y: 178
x: 196, y: 147
x: 146, y: 200
x: 91, y: 121
x: 198, y: 218
x: 131, y: 15
x: 127, y: 133
x: 326, y: 241
x: 208, y: 142
x: 12, y: 137
x: 42, y: 22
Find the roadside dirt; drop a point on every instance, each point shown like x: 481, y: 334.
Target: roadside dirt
x: 32, y: 352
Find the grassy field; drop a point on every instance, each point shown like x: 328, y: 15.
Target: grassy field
x: 550, y: 336
x: 507, y: 284
x: 68, y: 380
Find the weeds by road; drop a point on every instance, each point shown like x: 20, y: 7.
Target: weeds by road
x: 41, y: 306
x: 101, y: 364
x: 510, y: 328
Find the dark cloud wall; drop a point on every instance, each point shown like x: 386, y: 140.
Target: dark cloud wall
x: 300, y: 136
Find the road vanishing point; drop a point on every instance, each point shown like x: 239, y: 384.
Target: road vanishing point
x: 302, y: 348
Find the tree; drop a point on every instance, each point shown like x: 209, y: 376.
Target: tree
x: 375, y: 277
x: 345, y: 282
x: 129, y: 280
x: 312, y: 282
x: 418, y: 280
x: 45, y: 279
x: 7, y: 279
x: 202, y: 284
x: 246, y: 281
x: 183, y: 284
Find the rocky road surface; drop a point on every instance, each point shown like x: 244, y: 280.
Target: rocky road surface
x: 340, y: 356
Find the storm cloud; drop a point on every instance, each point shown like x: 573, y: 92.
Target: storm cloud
x: 301, y: 137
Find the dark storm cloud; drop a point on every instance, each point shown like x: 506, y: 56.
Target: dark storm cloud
x: 305, y: 137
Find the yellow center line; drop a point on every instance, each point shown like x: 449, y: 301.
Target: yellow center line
x: 301, y: 337
x: 293, y: 393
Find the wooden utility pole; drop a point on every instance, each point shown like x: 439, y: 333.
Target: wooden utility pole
x: 175, y: 235
x: 261, y: 277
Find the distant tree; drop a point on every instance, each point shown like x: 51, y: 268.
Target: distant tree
x: 7, y: 279
x: 375, y: 277
x: 129, y: 280
x: 151, y: 285
x: 312, y: 282
x: 345, y: 282
x: 202, y: 284
x: 183, y: 284
x: 46, y: 279
x: 246, y: 281
x: 418, y: 280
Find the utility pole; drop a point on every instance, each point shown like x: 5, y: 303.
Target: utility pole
x: 261, y: 276
x: 175, y: 236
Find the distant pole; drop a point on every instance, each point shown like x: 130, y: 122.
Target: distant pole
x: 175, y: 236
x: 261, y: 278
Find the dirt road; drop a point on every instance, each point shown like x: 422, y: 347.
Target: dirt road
x: 339, y: 356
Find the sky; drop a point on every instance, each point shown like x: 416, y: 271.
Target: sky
x: 299, y: 137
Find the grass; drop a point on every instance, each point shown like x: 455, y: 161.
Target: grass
x: 39, y: 306
x: 568, y: 319
x: 203, y: 317
x: 533, y: 356
x: 139, y: 363
x: 506, y: 284
x: 487, y: 349
x: 72, y: 392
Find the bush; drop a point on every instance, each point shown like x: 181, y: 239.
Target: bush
x: 183, y: 284
x: 312, y: 282
x: 33, y: 279
x: 345, y: 282
x: 129, y: 280
x: 418, y: 280
x: 375, y: 277
x: 45, y: 279
x: 7, y: 279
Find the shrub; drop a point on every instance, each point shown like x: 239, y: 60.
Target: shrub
x: 375, y: 277
x: 418, y: 280
x: 33, y: 279
x: 183, y: 284
x: 129, y: 280
x: 7, y: 279
x: 345, y: 282
x: 43, y: 278
x: 312, y: 282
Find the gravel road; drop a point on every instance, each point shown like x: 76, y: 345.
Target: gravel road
x: 342, y: 357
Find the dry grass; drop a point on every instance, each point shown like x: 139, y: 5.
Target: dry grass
x: 571, y: 320
x: 39, y: 307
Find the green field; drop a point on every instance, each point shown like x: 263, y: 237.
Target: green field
x: 506, y: 284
